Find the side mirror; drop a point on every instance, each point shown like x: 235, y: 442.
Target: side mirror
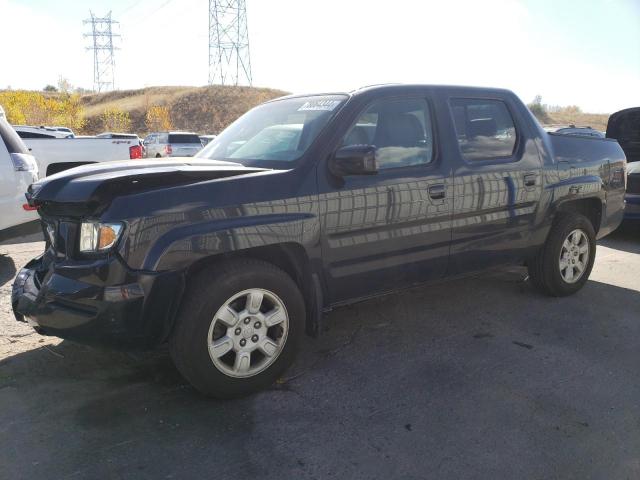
x: 354, y: 160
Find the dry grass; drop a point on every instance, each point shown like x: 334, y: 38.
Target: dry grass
x: 200, y: 109
x: 597, y: 121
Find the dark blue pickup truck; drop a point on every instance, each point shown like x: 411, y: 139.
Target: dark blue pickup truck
x: 306, y: 203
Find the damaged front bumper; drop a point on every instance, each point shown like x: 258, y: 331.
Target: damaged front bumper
x: 97, y: 302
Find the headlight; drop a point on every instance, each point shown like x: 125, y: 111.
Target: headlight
x: 99, y: 237
x: 23, y: 162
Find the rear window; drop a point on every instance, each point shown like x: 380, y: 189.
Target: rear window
x: 23, y: 134
x: 183, y: 138
x: 11, y: 139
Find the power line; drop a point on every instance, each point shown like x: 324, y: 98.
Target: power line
x: 102, y: 45
x: 229, y: 59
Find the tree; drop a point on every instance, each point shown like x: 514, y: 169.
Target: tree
x: 158, y: 119
x: 64, y: 86
x: 50, y: 88
x: 34, y: 108
x: 539, y: 110
x: 115, y: 120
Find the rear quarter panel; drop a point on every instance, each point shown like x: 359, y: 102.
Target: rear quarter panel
x: 587, y: 168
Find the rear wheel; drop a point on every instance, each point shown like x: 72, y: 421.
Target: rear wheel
x: 238, y: 328
x: 563, y: 264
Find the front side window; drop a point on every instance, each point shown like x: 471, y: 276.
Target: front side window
x: 400, y: 129
x: 275, y: 134
x: 485, y: 128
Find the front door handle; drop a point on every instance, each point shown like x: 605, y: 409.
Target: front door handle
x: 437, y: 192
x: 530, y: 180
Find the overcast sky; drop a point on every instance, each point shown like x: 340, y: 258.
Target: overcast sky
x: 571, y: 52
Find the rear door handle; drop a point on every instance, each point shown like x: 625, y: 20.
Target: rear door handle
x: 437, y: 192
x: 530, y: 180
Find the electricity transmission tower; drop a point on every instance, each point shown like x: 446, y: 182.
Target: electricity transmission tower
x: 102, y: 45
x: 229, y: 59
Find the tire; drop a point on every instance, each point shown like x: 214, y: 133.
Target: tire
x: 204, y: 324
x: 545, y: 268
x: 158, y: 155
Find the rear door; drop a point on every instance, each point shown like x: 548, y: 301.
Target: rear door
x: 497, y: 183
x: 386, y: 231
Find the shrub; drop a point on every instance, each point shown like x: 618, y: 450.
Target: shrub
x: 115, y: 120
x: 158, y: 119
x: 33, y: 108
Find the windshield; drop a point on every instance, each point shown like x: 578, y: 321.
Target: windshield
x: 275, y: 134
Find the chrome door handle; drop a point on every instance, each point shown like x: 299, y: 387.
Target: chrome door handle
x: 437, y: 192
x: 530, y: 180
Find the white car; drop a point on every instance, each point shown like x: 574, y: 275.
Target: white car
x: 58, y: 154
x: 29, y: 131
x: 18, y: 170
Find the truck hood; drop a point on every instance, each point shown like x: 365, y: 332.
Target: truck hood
x: 97, y: 184
x: 624, y: 126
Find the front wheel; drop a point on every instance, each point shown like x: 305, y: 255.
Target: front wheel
x: 563, y: 264
x: 238, y: 328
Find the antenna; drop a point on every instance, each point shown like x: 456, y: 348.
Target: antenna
x: 229, y: 59
x: 103, y: 61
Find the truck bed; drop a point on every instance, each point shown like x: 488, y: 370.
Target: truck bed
x: 57, y: 154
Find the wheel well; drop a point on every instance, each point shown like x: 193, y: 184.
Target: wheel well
x: 589, y: 207
x: 289, y: 257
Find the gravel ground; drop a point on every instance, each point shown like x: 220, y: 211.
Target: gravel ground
x: 475, y: 378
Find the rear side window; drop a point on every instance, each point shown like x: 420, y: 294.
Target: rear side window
x: 183, y: 138
x: 11, y: 139
x: 485, y: 128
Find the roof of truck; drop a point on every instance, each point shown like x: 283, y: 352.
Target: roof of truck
x: 398, y: 87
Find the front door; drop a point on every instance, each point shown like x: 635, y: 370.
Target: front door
x: 392, y: 229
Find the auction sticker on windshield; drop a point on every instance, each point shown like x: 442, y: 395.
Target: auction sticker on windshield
x: 325, y: 105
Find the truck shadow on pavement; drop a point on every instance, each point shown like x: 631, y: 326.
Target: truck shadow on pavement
x: 7, y: 269
x: 625, y: 238
x: 478, y: 377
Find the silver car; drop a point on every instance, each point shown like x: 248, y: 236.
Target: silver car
x: 172, y: 144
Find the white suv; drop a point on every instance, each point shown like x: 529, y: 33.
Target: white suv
x: 18, y: 170
x: 172, y: 144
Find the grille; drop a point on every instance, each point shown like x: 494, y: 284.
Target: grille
x: 633, y: 183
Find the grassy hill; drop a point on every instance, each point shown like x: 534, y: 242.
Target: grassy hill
x: 200, y: 109
x: 204, y: 110
x: 210, y: 109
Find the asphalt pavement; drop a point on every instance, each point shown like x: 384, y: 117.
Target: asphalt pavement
x: 477, y: 378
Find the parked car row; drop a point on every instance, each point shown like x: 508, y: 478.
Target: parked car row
x: 54, y: 157
x: 69, y: 150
